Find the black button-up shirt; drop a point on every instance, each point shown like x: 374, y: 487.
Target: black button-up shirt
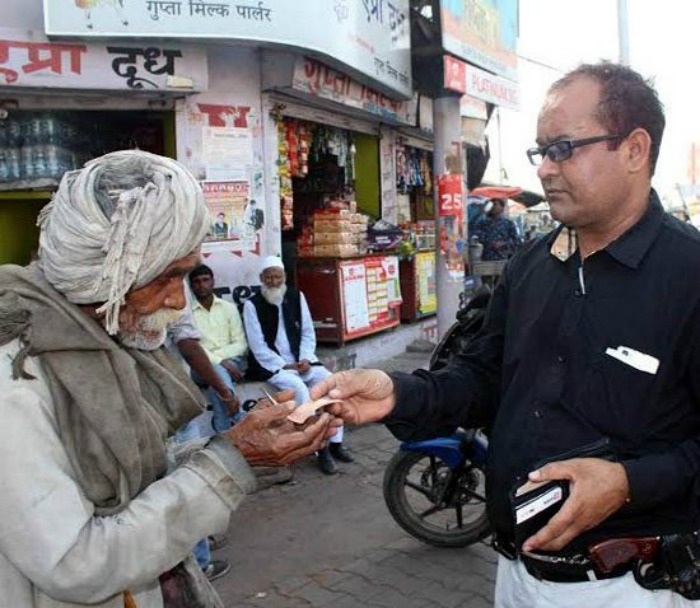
x: 574, y: 351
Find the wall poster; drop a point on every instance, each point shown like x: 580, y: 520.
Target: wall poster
x: 234, y: 215
x: 425, y: 278
x: 451, y: 231
x: 227, y: 152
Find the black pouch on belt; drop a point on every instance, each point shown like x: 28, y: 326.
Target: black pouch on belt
x: 675, y: 567
x: 533, y: 504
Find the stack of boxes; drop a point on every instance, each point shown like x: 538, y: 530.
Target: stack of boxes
x: 335, y: 233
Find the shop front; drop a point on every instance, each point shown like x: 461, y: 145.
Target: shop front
x: 295, y: 149
x: 229, y: 135
x: 62, y: 104
x: 336, y: 149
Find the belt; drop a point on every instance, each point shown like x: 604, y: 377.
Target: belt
x: 557, y: 568
x: 573, y: 569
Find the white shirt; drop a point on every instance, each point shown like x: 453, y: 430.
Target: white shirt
x: 267, y: 357
x: 54, y: 551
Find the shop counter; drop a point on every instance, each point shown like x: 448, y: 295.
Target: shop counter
x: 351, y: 297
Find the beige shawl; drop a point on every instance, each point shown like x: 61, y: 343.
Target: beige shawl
x: 114, y: 406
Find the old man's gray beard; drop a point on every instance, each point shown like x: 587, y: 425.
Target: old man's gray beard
x: 274, y: 295
x: 151, y: 331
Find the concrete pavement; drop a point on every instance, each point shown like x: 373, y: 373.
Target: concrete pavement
x: 330, y: 541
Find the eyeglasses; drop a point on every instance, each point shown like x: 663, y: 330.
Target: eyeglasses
x: 561, y: 150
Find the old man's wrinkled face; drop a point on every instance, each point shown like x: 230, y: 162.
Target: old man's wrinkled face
x: 149, y: 310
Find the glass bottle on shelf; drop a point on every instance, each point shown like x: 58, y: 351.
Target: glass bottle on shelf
x: 13, y: 160
x: 27, y: 162
x: 4, y: 167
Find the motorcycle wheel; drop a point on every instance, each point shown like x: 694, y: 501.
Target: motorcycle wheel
x: 413, y: 481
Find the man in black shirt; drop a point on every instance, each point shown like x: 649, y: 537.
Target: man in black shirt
x: 593, y: 334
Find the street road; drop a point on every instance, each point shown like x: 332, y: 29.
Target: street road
x: 330, y: 541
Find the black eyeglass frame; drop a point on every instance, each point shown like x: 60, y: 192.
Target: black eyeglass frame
x: 565, y: 147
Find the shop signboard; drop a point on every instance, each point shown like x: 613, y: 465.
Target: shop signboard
x: 482, y: 32
x: 28, y: 59
x: 471, y: 107
x: 314, y: 78
x: 464, y: 78
x: 369, y: 36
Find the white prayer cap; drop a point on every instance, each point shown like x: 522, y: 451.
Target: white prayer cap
x: 271, y: 261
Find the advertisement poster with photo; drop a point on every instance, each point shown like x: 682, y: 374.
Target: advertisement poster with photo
x: 235, y: 218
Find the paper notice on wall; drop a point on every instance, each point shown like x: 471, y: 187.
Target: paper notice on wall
x: 355, y: 296
x: 388, y: 177
x: 227, y: 153
x: 425, y: 275
x: 390, y: 264
x: 377, y: 292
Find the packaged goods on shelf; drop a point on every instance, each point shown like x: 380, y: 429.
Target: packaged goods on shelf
x: 337, y: 238
x: 336, y: 250
x: 332, y: 226
x: 333, y: 214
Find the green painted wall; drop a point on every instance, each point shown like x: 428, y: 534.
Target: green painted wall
x: 19, y: 234
x: 367, y: 174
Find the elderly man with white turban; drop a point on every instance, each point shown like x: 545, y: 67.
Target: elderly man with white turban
x: 282, y: 344
x: 91, y: 513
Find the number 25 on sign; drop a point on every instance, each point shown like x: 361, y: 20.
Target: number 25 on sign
x: 450, y: 194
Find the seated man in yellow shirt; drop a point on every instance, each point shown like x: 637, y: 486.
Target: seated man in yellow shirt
x: 223, y: 339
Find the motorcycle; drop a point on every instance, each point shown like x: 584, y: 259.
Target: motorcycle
x: 435, y: 488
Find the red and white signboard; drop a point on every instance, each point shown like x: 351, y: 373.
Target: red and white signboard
x: 450, y: 194
x: 313, y: 77
x: 451, y: 231
x: 465, y: 78
x: 28, y: 59
x: 455, y: 74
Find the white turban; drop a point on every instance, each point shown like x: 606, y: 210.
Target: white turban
x: 116, y: 224
x: 271, y: 261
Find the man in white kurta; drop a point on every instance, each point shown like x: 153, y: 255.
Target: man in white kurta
x: 282, y: 343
